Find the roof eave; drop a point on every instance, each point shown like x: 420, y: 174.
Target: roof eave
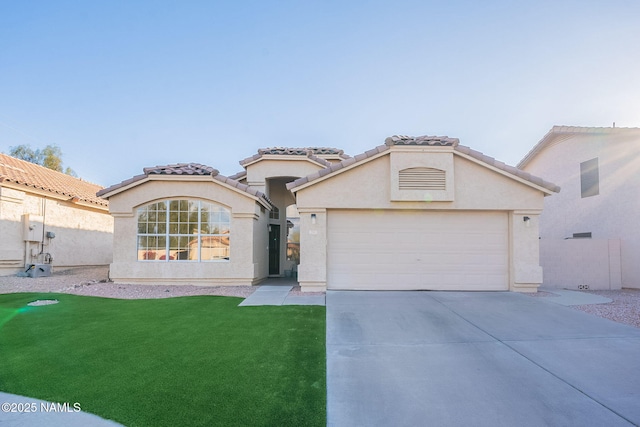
x: 537, y: 148
x: 9, y: 183
x: 338, y: 168
x: 544, y: 189
x: 285, y: 157
x: 241, y: 188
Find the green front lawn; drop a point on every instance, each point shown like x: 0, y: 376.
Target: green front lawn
x: 168, y: 362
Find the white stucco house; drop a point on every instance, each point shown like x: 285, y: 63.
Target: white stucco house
x: 590, y: 233
x: 414, y: 213
x: 47, y: 217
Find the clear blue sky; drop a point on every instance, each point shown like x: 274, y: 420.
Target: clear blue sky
x: 121, y: 85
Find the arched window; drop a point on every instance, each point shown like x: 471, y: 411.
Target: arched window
x: 183, y: 230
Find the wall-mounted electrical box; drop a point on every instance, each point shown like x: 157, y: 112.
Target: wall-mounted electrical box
x: 33, y: 227
x: 39, y: 270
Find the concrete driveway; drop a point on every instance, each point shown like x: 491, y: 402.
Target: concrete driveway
x: 476, y: 358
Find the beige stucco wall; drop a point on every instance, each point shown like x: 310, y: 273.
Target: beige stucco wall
x: 282, y: 166
x: 261, y: 247
x: 612, y: 214
x: 12, y: 245
x: 244, y: 266
x: 270, y: 175
x: 368, y: 186
x: 84, y: 235
x: 581, y: 263
x: 439, y: 159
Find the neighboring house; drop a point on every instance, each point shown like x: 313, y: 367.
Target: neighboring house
x: 415, y: 213
x: 47, y: 217
x: 590, y: 233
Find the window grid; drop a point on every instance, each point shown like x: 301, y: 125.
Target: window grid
x: 183, y: 230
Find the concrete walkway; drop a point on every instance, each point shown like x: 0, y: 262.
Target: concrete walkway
x: 44, y: 414
x: 276, y: 292
x: 567, y: 297
x: 476, y: 358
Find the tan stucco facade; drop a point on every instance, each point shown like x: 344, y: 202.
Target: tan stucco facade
x: 83, y: 232
x: 610, y: 214
x: 437, y: 179
x: 248, y: 239
x: 270, y: 174
x: 368, y: 186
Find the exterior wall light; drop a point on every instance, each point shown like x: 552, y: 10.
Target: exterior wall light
x: 313, y: 218
x: 526, y: 220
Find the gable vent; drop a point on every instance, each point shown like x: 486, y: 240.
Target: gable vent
x: 422, y: 179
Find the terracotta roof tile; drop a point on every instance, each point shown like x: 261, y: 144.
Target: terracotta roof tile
x: 36, y: 176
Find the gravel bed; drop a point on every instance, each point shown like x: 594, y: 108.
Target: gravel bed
x: 94, y: 282
x: 624, y: 307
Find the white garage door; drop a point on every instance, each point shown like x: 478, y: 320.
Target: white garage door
x: 417, y: 250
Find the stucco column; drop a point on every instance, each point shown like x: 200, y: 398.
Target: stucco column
x: 312, y: 271
x: 526, y: 273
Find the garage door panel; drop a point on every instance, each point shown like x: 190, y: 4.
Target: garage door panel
x: 417, y: 250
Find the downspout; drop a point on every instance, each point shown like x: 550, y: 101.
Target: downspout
x: 46, y: 259
x: 44, y: 221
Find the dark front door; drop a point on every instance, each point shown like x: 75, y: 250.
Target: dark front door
x: 274, y: 249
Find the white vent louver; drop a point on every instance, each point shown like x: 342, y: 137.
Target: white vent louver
x: 422, y: 179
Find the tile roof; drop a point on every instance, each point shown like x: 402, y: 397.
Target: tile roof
x: 422, y: 140
x: 312, y: 153
x: 567, y: 131
x: 35, y: 176
x: 238, y: 176
x: 181, y: 169
x: 425, y: 140
x: 188, y: 169
x: 301, y: 151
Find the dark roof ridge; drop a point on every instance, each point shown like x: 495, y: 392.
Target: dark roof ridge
x: 443, y: 141
x: 181, y: 169
x: 312, y: 153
